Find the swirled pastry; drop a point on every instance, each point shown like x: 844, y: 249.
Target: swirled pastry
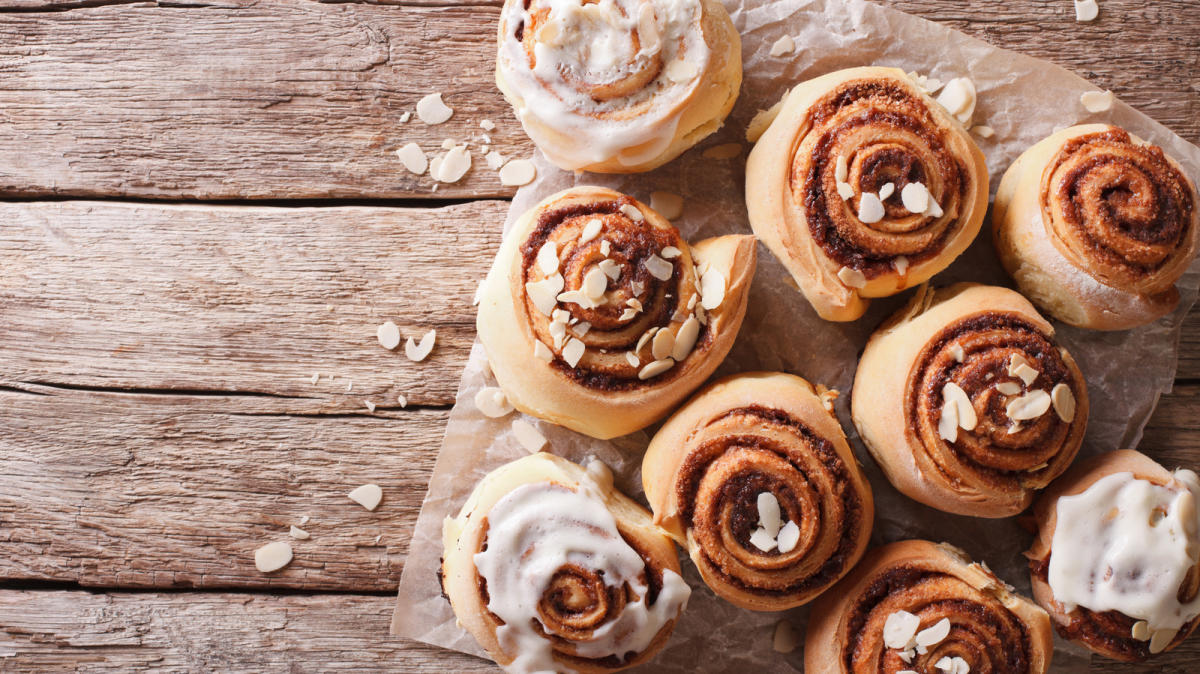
x: 619, y: 86
x: 551, y: 569
x: 597, y: 316
x: 966, y: 401
x: 925, y: 607
x: 863, y: 186
x: 1116, y: 561
x: 754, y: 477
x: 1096, y: 226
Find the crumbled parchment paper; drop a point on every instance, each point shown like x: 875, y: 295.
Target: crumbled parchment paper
x: 1024, y: 100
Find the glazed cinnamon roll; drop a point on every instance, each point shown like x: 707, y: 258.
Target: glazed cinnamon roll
x: 1096, y: 226
x: 1116, y: 561
x: 551, y: 569
x: 620, y: 86
x: 597, y: 316
x: 925, y: 607
x: 862, y: 186
x: 754, y: 477
x: 966, y: 401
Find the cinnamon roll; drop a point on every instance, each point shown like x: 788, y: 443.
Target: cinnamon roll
x: 551, y: 569
x: 862, y: 186
x: 621, y: 86
x: 1116, y: 561
x: 925, y: 607
x: 597, y: 316
x: 1096, y: 226
x: 966, y: 401
x: 754, y: 477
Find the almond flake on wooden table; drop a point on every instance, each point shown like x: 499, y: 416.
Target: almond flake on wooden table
x: 298, y: 533
x: 517, y: 172
x: 367, y: 496
x: 413, y: 158
x: 1086, y: 10
x: 388, y: 335
x: 494, y: 160
x: 432, y: 110
x: 405, y: 116
x: 417, y: 352
x: 448, y: 143
x: 452, y: 166
x: 369, y: 405
x: 272, y: 556
x: 1097, y: 101
x: 403, y: 400
x: 316, y: 377
x: 529, y: 437
x: 668, y: 204
x: 724, y: 151
x: 492, y: 402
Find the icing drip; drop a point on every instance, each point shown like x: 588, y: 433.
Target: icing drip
x: 556, y: 564
x: 1129, y: 545
x: 605, y: 76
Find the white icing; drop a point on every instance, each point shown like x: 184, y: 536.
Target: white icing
x: 538, y: 529
x: 595, y: 43
x: 1127, y: 545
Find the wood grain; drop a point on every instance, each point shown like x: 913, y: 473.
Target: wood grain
x: 241, y: 299
x: 210, y: 632
x: 283, y: 99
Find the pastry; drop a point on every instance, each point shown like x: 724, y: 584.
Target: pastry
x: 1096, y: 226
x: 754, y: 477
x: 597, y: 316
x: 551, y: 569
x: 620, y: 86
x: 967, y: 403
x: 862, y: 186
x: 1116, y: 561
x: 925, y: 607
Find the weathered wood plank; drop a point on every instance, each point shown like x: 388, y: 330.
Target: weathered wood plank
x: 158, y: 491
x: 210, y: 632
x: 223, y: 298
x: 269, y: 99
x: 1189, y: 347
x: 292, y: 99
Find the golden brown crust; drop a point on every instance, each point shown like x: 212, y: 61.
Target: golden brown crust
x: 992, y: 628
x: 1096, y: 226
x: 889, y: 131
x: 465, y: 535
x: 1108, y: 633
x: 603, y: 394
x: 739, y: 437
x: 966, y: 335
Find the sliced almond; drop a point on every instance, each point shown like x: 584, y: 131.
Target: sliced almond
x: 1009, y: 388
x: 517, y: 172
x: 655, y: 368
x: 544, y: 293
x: 1064, y: 402
x: 933, y: 635
x: 402, y: 400
x: 1161, y: 639
x: 581, y: 328
x: 1141, y: 630
x: 659, y: 268
x: 959, y: 98
x: 886, y: 191
x: 934, y: 210
x: 298, y: 533
x: 762, y: 540
x: 663, y: 344
x: 432, y: 110
x: 405, y: 116
x: 685, y: 340
x: 712, y: 289
x: 1020, y: 367
x: 529, y: 437
x: 966, y: 411
x: 454, y: 165
x: 983, y: 131
x: 417, y: 351
x: 595, y: 283
x: 629, y: 314
x: 785, y: 639
x: 547, y: 258
x: 726, y: 151
x: 782, y: 46
x: 957, y: 352
x: 899, y: 629
x: 448, y: 144
x: 870, y: 208
x: 632, y: 359
x: 1097, y: 101
x: 494, y: 160
x: 272, y: 556
x: 901, y: 265
x: 632, y: 212
x: 644, y: 339
x: 492, y: 402
x: 666, y: 204
x: 573, y: 351
x: 591, y: 230
x: 388, y: 335
x: 915, y: 197
x: 852, y: 278
x: 769, y: 517
x: 1029, y: 406
x: 680, y: 70
x: 317, y: 375
x: 367, y: 496
x: 369, y: 405
x: 487, y: 125
x: 541, y: 351
x: 948, y: 423
x: 670, y: 253
x: 789, y: 536
x: 845, y: 191
x: 841, y: 169
x: 413, y: 158
x: 605, y: 247
x: 1086, y: 10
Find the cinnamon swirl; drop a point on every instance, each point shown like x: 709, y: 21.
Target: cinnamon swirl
x: 967, y: 403
x: 755, y: 478
x: 863, y: 186
x: 1096, y: 226
x: 598, y: 316
x: 924, y: 607
x: 620, y: 86
x: 551, y: 569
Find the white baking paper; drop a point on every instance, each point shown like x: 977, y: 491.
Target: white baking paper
x: 1024, y: 100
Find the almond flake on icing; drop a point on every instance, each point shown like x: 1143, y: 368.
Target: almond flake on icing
x: 529, y: 437
x: 852, y: 278
x: 1086, y: 10
x: 541, y: 351
x: 1097, y: 101
x: 655, y: 368
x: 685, y: 340
x: 954, y: 393
x: 388, y: 335
x: 632, y: 359
x: 1064, y: 402
x: 712, y: 289
x: 517, y: 172
x: 417, y: 351
x: 1140, y: 631
x: 659, y: 268
x: 492, y: 402
x: 782, y: 46
x: 680, y: 70
x: 367, y: 496
x: 632, y: 212
x: 547, y: 258
x: 272, y: 557
x: 432, y: 110
x: 915, y: 197
x: 725, y: 151
x: 591, y: 229
x: 1029, y: 406
x: 544, y: 293
x: 886, y: 191
x: 662, y: 345
x: 413, y: 158
x: 1160, y: 640
x: 666, y: 204
x: 870, y: 208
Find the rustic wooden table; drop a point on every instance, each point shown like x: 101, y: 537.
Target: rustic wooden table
x: 202, y: 208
